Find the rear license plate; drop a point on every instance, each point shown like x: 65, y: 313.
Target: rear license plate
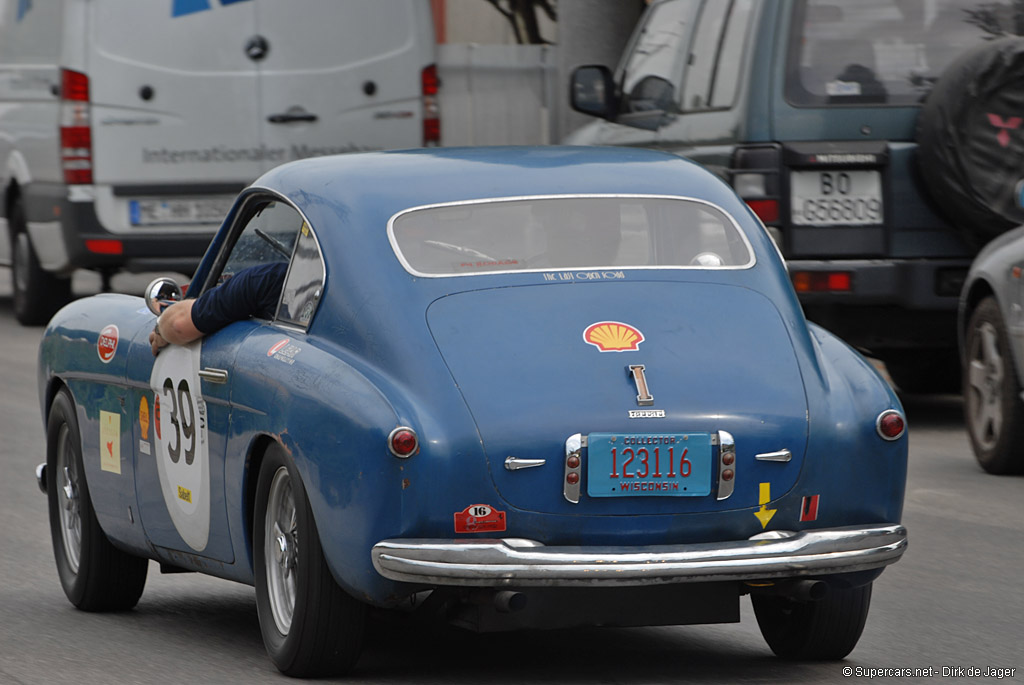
x: 178, y: 211
x: 836, y: 198
x: 662, y: 464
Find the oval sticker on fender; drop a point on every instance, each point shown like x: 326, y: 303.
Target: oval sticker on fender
x: 182, y: 452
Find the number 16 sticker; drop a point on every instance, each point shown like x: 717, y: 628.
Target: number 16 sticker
x: 479, y: 518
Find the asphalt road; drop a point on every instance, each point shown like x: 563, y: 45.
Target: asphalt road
x: 953, y: 602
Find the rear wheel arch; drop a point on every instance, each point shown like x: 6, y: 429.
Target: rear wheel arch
x: 257, y: 451
x: 978, y: 291
x: 53, y: 386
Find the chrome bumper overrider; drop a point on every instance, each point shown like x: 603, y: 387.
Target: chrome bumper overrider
x: 518, y: 562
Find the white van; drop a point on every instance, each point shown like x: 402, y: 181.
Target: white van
x: 127, y: 126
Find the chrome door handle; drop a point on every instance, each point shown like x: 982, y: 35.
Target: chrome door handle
x: 781, y: 455
x: 214, y: 375
x: 516, y: 463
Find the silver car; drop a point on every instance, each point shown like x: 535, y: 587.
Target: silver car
x: 991, y: 333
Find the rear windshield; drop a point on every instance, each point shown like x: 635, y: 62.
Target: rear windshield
x: 886, y: 51
x: 554, y: 233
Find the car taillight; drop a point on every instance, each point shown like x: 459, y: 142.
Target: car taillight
x: 403, y: 442
x: 822, y: 281
x: 755, y: 178
x: 75, y: 128
x: 431, y: 107
x: 890, y: 424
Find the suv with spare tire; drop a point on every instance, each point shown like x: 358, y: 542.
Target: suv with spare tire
x: 879, y: 141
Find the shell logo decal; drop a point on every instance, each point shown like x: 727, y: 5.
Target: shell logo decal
x: 613, y: 336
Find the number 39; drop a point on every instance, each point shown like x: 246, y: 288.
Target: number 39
x: 184, y: 426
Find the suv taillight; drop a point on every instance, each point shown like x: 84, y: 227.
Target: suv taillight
x: 755, y: 174
x: 75, y: 128
x: 431, y: 107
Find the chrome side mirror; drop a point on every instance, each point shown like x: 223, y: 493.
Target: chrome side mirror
x: 162, y: 293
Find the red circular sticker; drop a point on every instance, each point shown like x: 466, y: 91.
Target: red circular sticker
x: 106, y: 346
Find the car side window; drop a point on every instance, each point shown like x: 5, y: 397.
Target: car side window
x: 716, y: 55
x: 304, y: 285
x: 730, y: 57
x: 267, y: 236
x: 653, y: 68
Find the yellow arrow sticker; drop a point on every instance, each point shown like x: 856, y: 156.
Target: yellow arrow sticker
x: 764, y: 514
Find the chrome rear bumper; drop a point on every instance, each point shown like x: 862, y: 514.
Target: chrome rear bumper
x: 518, y: 562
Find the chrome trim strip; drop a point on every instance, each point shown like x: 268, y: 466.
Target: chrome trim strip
x: 782, y: 455
x: 596, y: 267
x: 726, y: 448
x: 493, y: 562
x: 516, y: 463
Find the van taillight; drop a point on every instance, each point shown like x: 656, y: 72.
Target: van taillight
x: 755, y: 178
x: 75, y: 128
x: 431, y: 107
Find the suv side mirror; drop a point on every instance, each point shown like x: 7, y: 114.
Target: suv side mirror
x: 592, y: 91
x: 161, y: 293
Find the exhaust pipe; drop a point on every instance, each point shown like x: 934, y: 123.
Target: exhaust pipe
x: 41, y: 477
x: 508, y: 601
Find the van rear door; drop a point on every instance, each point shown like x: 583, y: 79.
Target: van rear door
x: 342, y: 76
x: 173, y: 93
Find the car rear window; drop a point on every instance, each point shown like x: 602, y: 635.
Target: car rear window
x: 885, y: 51
x: 578, y: 232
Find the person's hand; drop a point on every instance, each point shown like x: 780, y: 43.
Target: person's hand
x: 156, y: 341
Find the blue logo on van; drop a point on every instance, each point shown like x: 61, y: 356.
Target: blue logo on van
x: 180, y: 8
x: 23, y: 7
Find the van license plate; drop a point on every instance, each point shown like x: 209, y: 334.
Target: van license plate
x: 836, y: 198
x: 179, y: 211
x: 656, y: 464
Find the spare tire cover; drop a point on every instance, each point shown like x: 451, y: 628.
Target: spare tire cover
x: 970, y: 136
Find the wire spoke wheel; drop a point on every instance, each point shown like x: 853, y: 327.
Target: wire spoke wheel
x: 95, y: 575
x: 281, y: 541
x: 310, y: 626
x: 68, y: 502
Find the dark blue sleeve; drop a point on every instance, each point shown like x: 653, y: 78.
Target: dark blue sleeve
x: 250, y: 292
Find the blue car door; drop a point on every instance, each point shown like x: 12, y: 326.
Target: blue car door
x: 186, y: 397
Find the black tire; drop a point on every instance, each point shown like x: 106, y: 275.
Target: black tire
x: 827, y: 629
x: 38, y: 294
x: 924, y: 371
x: 95, y: 575
x: 970, y: 142
x: 310, y: 626
x: 993, y: 409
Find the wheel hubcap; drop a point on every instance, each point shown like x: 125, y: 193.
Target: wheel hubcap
x: 68, y: 501
x: 986, y: 373
x: 281, y: 551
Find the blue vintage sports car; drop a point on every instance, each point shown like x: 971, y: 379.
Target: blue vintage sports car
x: 516, y: 387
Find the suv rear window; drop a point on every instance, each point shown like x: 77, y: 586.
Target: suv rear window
x: 885, y: 51
x: 567, y: 232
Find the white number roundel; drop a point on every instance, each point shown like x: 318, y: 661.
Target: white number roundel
x: 182, y: 452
